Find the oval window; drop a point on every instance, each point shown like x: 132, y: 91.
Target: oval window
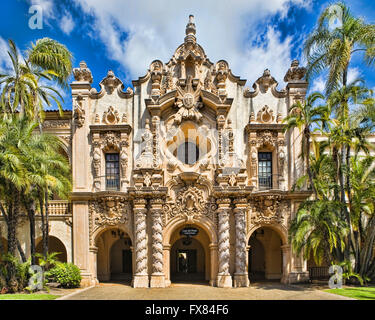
x: 188, y: 152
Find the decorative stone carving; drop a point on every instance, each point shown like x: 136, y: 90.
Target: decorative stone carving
x: 267, y: 209
x: 111, y: 82
x: 145, y: 160
x: 188, y: 102
x: 190, y: 203
x: 82, y: 73
x: 157, y: 237
x: 111, y: 116
x: 167, y: 84
x: 265, y: 115
x: 79, y: 112
x: 267, y: 137
x: 266, y: 80
x: 110, y: 140
x: 124, y: 118
x: 209, y: 83
x: 96, y: 158
x: 295, y: 73
x: 140, y: 277
x: 224, y: 278
x: 221, y: 77
x: 56, y: 124
x: 156, y: 77
x: 107, y: 211
x: 97, y: 119
x: 241, y: 279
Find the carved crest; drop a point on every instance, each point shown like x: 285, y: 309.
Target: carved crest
x: 188, y: 102
x: 108, y: 211
x: 267, y: 209
x: 111, y: 116
x: 265, y: 115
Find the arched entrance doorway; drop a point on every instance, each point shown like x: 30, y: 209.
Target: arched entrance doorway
x: 114, y: 256
x: 190, y: 255
x: 265, y: 255
x: 54, y: 245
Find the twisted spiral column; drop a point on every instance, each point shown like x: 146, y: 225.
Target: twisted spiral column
x: 240, y: 276
x: 224, y: 278
x: 140, y: 277
x: 157, y: 277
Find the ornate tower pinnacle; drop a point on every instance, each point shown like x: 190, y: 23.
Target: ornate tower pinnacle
x: 190, y: 31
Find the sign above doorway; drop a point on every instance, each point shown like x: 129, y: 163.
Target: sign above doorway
x: 189, y: 231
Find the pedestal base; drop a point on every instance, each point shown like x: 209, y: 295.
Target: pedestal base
x: 295, y: 277
x: 241, y: 280
x: 88, y: 280
x: 157, y: 281
x: 224, y: 281
x: 140, y: 281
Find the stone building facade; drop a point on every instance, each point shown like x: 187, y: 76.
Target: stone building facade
x: 188, y: 149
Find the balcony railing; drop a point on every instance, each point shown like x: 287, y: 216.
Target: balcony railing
x: 112, y: 184
x: 265, y: 181
x: 268, y: 181
x: 58, y: 207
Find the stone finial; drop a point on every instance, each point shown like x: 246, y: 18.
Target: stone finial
x: 82, y: 74
x: 111, y: 82
x: 190, y: 31
x: 190, y: 27
x: 295, y: 73
x: 266, y: 80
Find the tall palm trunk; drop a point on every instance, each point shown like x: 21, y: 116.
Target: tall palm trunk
x: 30, y: 208
x: 307, y: 137
x: 46, y: 235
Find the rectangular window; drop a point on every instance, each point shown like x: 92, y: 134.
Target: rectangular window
x: 265, y: 170
x: 112, y: 171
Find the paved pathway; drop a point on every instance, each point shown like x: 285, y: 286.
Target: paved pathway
x: 257, y: 291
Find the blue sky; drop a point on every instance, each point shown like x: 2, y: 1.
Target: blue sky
x: 126, y: 36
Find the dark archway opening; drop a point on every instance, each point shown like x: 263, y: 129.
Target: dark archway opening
x: 54, y: 245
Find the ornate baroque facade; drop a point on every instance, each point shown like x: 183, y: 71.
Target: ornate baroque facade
x: 190, y: 145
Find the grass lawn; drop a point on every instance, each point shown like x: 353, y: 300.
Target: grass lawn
x: 360, y: 293
x: 28, y: 296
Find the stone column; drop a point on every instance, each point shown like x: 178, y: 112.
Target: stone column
x: 140, y: 279
x: 241, y: 278
x: 93, y: 257
x: 213, y: 263
x: 167, y: 253
x: 224, y: 279
x: 286, y: 263
x: 157, y: 276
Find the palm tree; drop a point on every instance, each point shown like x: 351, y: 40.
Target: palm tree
x: 319, y: 230
x: 363, y: 213
x: 331, y: 49
x: 304, y: 116
x: 23, y: 90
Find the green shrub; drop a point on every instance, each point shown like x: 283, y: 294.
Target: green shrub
x: 67, y: 274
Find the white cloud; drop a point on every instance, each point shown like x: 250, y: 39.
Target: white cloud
x: 318, y: 84
x: 353, y: 74
x: 5, y: 62
x: 46, y: 5
x: 67, y: 23
x: 226, y: 30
